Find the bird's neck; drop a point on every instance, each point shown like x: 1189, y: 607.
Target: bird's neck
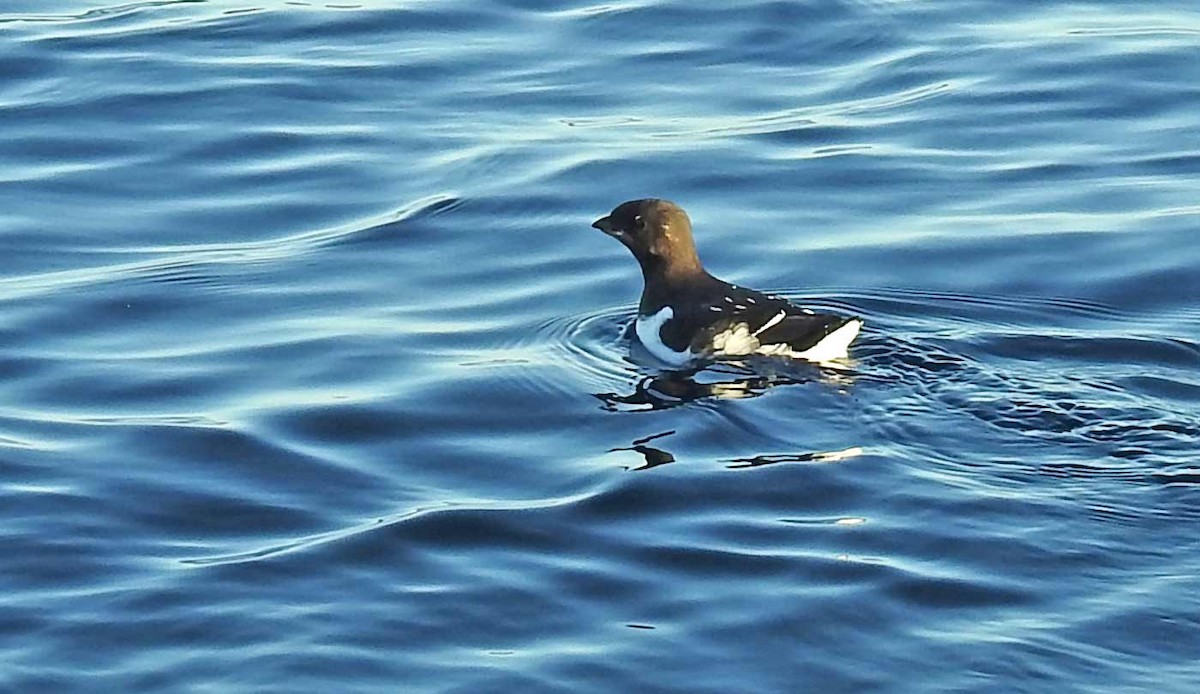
x: 671, y: 281
x: 676, y: 265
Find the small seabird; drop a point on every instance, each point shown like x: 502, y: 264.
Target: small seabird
x: 687, y: 314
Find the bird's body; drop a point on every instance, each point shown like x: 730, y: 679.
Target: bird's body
x: 686, y: 314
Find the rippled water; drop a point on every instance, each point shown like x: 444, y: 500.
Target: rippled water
x: 313, y: 376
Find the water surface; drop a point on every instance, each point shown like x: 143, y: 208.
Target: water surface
x: 313, y: 376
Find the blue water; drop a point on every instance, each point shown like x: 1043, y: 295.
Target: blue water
x: 313, y: 376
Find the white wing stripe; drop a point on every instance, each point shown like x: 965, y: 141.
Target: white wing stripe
x: 778, y: 317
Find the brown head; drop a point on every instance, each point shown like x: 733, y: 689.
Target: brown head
x: 659, y: 234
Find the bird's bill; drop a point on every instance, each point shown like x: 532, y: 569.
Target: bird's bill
x: 604, y: 224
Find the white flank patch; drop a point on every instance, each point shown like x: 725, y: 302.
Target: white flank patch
x: 735, y: 340
x: 648, y: 329
x: 832, y: 346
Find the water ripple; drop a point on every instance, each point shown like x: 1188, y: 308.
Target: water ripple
x: 186, y: 263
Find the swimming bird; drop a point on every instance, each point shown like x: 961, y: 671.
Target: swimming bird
x: 687, y: 315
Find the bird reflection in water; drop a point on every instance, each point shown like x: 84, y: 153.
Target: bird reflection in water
x: 815, y: 457
x: 654, y: 456
x: 722, y: 381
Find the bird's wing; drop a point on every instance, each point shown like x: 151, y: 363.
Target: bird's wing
x: 800, y: 330
x: 769, y: 319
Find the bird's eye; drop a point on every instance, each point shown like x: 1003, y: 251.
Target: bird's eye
x: 637, y: 220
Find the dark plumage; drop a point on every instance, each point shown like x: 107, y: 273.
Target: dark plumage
x: 688, y: 314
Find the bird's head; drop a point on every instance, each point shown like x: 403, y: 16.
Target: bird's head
x: 658, y: 232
